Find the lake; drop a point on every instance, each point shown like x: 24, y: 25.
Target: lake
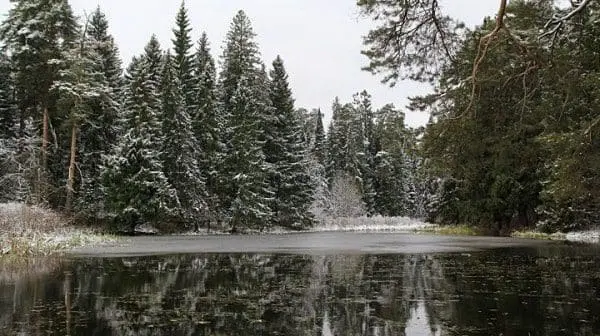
x: 295, y: 285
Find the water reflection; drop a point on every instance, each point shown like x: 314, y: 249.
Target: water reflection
x: 506, y: 292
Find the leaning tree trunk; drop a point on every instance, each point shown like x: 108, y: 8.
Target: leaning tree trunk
x: 71, y: 176
x: 45, y: 137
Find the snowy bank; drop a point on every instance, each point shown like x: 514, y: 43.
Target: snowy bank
x: 592, y: 236
x: 30, y: 231
x: 372, y: 224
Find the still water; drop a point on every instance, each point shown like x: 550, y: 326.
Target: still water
x: 548, y: 290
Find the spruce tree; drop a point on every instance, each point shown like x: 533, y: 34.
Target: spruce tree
x: 8, y: 110
x: 207, y: 123
x: 367, y: 149
x: 250, y: 207
x: 36, y: 34
x: 244, y: 100
x: 80, y: 87
x: 285, y: 151
x: 317, y: 171
x: 178, y: 150
x: 182, y: 58
x: 100, y: 133
x: 320, y: 141
x: 136, y: 187
x: 8, y: 118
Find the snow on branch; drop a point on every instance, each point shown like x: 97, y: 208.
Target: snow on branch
x: 558, y: 21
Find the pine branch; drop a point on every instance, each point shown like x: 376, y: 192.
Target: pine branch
x: 557, y: 21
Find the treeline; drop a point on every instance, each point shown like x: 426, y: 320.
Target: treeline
x: 514, y: 139
x: 173, y: 142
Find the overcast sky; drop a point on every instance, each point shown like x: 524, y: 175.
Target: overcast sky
x: 319, y: 40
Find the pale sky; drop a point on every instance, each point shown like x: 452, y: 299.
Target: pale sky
x: 319, y: 40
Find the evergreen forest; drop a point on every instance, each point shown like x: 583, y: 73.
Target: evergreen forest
x: 181, y: 138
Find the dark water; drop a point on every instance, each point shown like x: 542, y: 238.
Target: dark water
x: 552, y: 290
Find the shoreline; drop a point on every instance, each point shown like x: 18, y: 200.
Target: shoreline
x: 30, y: 231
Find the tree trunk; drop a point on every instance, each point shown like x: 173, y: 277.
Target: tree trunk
x: 71, y: 177
x: 45, y: 136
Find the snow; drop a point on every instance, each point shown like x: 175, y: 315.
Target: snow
x: 591, y: 236
x: 371, y: 224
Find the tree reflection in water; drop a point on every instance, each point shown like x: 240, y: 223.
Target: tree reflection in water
x: 510, y: 292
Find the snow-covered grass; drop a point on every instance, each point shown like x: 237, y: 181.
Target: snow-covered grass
x: 33, y: 231
x: 454, y: 230
x: 538, y: 235
x: 372, y: 224
x: 591, y: 236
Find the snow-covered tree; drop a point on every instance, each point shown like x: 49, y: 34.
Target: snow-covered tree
x: 79, y: 85
x: 100, y: 129
x: 369, y: 147
x: 36, y: 34
x: 207, y: 123
x: 318, y: 148
x: 243, y: 99
x: 182, y: 56
x: 136, y: 187
x: 178, y: 150
x: 286, y: 152
x: 8, y: 108
x: 250, y: 207
x: 346, y: 197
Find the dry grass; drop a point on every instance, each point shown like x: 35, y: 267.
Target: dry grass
x: 455, y: 230
x: 539, y: 235
x: 34, y: 231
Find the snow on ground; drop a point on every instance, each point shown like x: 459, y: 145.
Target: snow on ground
x: 592, y: 236
x: 32, y: 230
x: 373, y: 224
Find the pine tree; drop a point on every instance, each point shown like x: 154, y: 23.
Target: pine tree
x: 100, y: 133
x: 8, y: 108
x: 207, y: 123
x: 286, y: 152
x: 80, y: 84
x: 240, y: 57
x: 392, y: 166
x: 36, y: 33
x: 320, y: 141
x: 8, y: 119
x: 244, y: 102
x: 317, y: 171
x: 178, y: 152
x: 250, y: 207
x: 137, y: 189
x: 182, y: 58
x: 367, y: 149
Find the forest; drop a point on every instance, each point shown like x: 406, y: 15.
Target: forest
x: 181, y: 139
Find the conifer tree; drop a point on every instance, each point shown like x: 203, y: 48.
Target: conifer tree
x: 178, y: 152
x: 367, y: 149
x: 182, y: 58
x: 8, y: 110
x: 207, y: 122
x: 286, y: 152
x: 137, y: 190
x: 244, y: 101
x: 100, y: 133
x: 250, y: 207
x: 36, y: 34
x: 80, y: 84
x: 320, y: 141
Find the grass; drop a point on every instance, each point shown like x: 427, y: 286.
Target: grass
x: 453, y: 230
x: 31, y: 231
x: 539, y: 235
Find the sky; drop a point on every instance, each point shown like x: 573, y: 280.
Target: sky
x: 319, y: 40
